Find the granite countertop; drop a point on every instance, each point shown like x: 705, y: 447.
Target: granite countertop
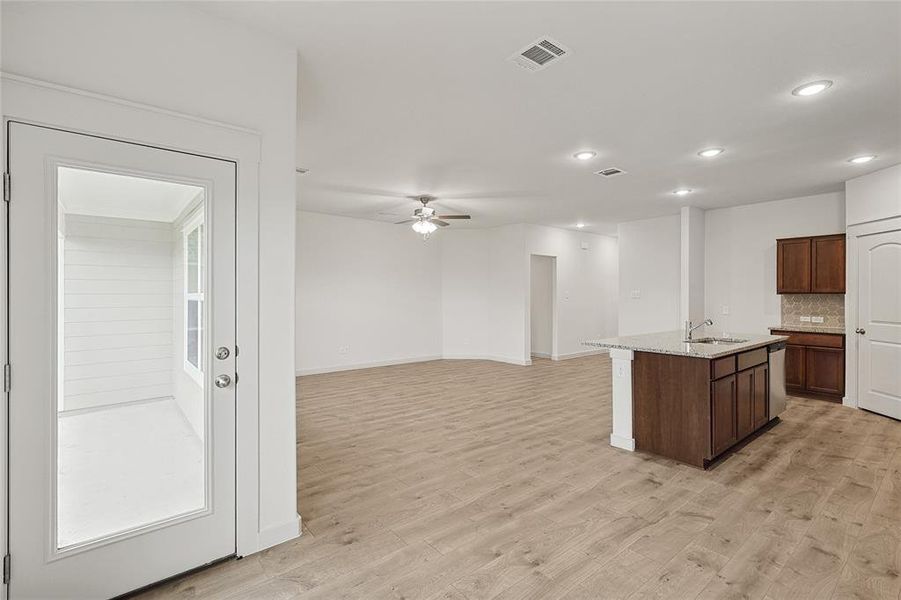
x: 809, y: 329
x: 670, y: 342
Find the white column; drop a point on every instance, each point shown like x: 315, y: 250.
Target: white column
x: 622, y: 399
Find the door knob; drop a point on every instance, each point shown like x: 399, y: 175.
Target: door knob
x: 222, y: 353
x: 223, y: 381
x: 860, y: 331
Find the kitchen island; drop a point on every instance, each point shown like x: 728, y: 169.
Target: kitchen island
x: 689, y: 401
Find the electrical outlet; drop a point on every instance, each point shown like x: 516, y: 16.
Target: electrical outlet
x: 342, y: 349
x: 805, y: 319
x: 816, y: 319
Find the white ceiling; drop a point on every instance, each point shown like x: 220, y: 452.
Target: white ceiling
x: 402, y: 98
x: 99, y: 194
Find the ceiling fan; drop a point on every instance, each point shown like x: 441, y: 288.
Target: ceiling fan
x: 425, y: 220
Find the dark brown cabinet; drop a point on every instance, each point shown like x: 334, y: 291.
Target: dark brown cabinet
x: 744, y: 398
x: 694, y: 409
x: 827, y: 265
x: 760, y: 409
x: 795, y: 365
x: 825, y: 371
x: 793, y: 266
x: 722, y: 402
x: 811, y: 265
x: 814, y: 364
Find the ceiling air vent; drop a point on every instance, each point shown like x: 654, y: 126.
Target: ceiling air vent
x: 539, y: 54
x: 609, y: 172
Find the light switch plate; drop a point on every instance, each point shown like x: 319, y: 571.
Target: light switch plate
x: 725, y: 310
x: 636, y: 294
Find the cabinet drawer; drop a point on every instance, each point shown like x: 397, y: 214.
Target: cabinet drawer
x: 720, y: 367
x: 823, y: 340
x: 751, y: 358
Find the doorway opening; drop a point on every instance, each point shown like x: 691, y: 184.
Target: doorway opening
x: 542, y: 303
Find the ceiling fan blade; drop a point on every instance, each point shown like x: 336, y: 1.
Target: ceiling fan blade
x: 439, y: 222
x: 454, y: 217
x: 405, y: 222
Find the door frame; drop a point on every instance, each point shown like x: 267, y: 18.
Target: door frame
x: 46, y: 104
x: 852, y: 348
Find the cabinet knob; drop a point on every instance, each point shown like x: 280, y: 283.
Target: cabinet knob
x: 860, y: 331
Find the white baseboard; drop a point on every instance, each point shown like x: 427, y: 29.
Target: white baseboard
x: 621, y: 442
x: 368, y: 365
x: 581, y: 354
x: 541, y: 355
x: 501, y: 359
x: 272, y: 536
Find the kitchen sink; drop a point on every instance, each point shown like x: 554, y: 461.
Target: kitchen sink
x: 717, y: 341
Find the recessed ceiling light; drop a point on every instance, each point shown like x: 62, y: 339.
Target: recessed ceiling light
x: 682, y: 191
x: 859, y: 160
x: 812, y: 88
x: 711, y: 152
x: 585, y: 155
x: 580, y: 225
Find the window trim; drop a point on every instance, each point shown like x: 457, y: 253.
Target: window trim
x: 192, y: 223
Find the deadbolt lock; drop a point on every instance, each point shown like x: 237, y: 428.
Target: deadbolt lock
x: 222, y: 353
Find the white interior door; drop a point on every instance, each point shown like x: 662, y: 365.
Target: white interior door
x: 879, y: 323
x: 122, y: 350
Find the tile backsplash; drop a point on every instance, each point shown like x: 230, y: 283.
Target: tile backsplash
x: 829, y: 306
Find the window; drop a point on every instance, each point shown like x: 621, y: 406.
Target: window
x: 193, y: 296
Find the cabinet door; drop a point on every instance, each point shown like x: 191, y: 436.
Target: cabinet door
x: 761, y: 396
x: 723, y: 409
x: 795, y: 367
x: 826, y: 370
x: 793, y: 266
x: 828, y: 265
x: 744, y: 408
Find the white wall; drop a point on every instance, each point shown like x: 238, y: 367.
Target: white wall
x: 368, y: 293
x: 371, y: 293
x: 649, y: 265
x: 484, y: 282
x: 117, y: 310
x: 541, y: 304
x: 176, y: 57
x: 874, y: 196
x: 741, y: 256
x: 692, y: 265
x: 587, y: 284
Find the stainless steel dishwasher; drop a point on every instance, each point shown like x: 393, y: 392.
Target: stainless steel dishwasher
x: 777, y: 378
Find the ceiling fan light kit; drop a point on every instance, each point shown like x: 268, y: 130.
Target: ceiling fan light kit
x: 424, y: 219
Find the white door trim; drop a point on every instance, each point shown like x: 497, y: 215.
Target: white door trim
x: 51, y: 105
x: 852, y: 257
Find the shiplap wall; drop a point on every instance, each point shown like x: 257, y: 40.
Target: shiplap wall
x: 118, y: 311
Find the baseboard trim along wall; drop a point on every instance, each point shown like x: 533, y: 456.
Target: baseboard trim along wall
x: 580, y: 354
x: 366, y: 365
x: 416, y: 359
x: 272, y: 536
x: 501, y: 359
x: 405, y: 361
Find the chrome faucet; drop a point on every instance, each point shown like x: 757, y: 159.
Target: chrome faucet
x: 689, y: 329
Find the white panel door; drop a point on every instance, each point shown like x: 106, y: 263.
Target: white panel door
x: 879, y: 323
x: 122, y: 348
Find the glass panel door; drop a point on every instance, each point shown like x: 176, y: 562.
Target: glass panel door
x: 121, y: 279
x: 131, y: 409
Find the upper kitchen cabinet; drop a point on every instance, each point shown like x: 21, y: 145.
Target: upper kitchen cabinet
x: 811, y: 265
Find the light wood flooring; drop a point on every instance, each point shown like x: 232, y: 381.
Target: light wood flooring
x: 465, y: 480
